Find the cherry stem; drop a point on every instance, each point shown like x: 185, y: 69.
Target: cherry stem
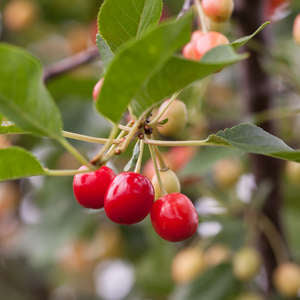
x: 76, y: 153
x: 140, y: 158
x: 201, y: 16
x: 85, y: 138
x: 106, y: 146
x: 49, y: 172
x: 274, y: 238
x: 125, y: 128
x: 153, y: 156
x: 160, y: 114
x: 162, y: 164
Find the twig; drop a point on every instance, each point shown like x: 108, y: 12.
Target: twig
x: 70, y: 63
x: 186, y: 6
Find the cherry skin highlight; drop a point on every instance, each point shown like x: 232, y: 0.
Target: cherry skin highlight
x: 129, y: 198
x: 174, y: 217
x: 97, y: 89
x: 90, y: 188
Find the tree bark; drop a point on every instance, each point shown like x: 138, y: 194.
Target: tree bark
x: 258, y: 94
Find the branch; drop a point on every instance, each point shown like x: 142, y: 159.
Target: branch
x: 71, y: 63
x: 186, y: 6
x: 258, y: 93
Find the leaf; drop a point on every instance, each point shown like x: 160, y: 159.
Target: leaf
x: 7, y: 127
x: 217, y: 283
x: 244, y: 40
x: 105, y: 52
x: 135, y: 155
x: 137, y: 61
x: 178, y: 72
x: 15, y: 163
x: 120, y: 21
x: 253, y: 139
x: 23, y: 96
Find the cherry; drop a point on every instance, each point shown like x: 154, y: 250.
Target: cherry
x: 246, y: 263
x: 275, y: 10
x: 129, y: 198
x: 287, y: 279
x: 97, y: 89
x: 218, y: 10
x: 297, y: 30
x: 201, y: 43
x: 90, y: 188
x: 174, y: 217
x: 176, y: 115
x: 170, y: 182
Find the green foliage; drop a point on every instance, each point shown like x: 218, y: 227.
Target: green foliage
x: 178, y: 72
x: 253, y: 139
x: 16, y: 163
x: 105, y: 52
x: 141, y: 58
x: 23, y: 96
x: 120, y: 21
x: 217, y: 283
x: 7, y: 127
x: 244, y: 40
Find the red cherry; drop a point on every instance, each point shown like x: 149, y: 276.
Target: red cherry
x: 97, y: 89
x: 90, y: 188
x: 174, y: 217
x: 129, y: 198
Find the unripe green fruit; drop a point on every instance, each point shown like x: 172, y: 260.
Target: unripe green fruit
x: 187, y: 265
x: 170, y: 182
x: 177, y: 118
x: 250, y: 296
x: 216, y: 255
x: 218, y: 10
x: 246, y: 264
x: 293, y: 172
x: 287, y: 279
x: 227, y: 172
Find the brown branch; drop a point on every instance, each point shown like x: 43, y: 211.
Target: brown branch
x: 70, y: 63
x: 258, y: 93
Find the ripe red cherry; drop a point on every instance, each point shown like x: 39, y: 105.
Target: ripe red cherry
x: 174, y: 217
x: 97, y: 89
x: 129, y: 198
x: 90, y: 188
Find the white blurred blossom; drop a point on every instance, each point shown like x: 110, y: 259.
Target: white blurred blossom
x: 29, y: 213
x: 209, y: 206
x: 209, y: 229
x: 114, y: 279
x: 245, y: 187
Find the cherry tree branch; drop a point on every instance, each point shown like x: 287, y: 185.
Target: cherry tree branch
x: 186, y: 6
x: 71, y: 63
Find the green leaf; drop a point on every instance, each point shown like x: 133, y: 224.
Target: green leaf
x: 23, y: 96
x: 16, y: 163
x: 137, y: 61
x: 7, y: 127
x: 244, y: 40
x: 120, y: 21
x: 253, y: 139
x: 105, y: 52
x: 135, y: 155
x: 178, y: 72
x: 217, y: 283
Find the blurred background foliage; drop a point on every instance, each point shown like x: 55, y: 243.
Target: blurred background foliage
x: 50, y: 248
